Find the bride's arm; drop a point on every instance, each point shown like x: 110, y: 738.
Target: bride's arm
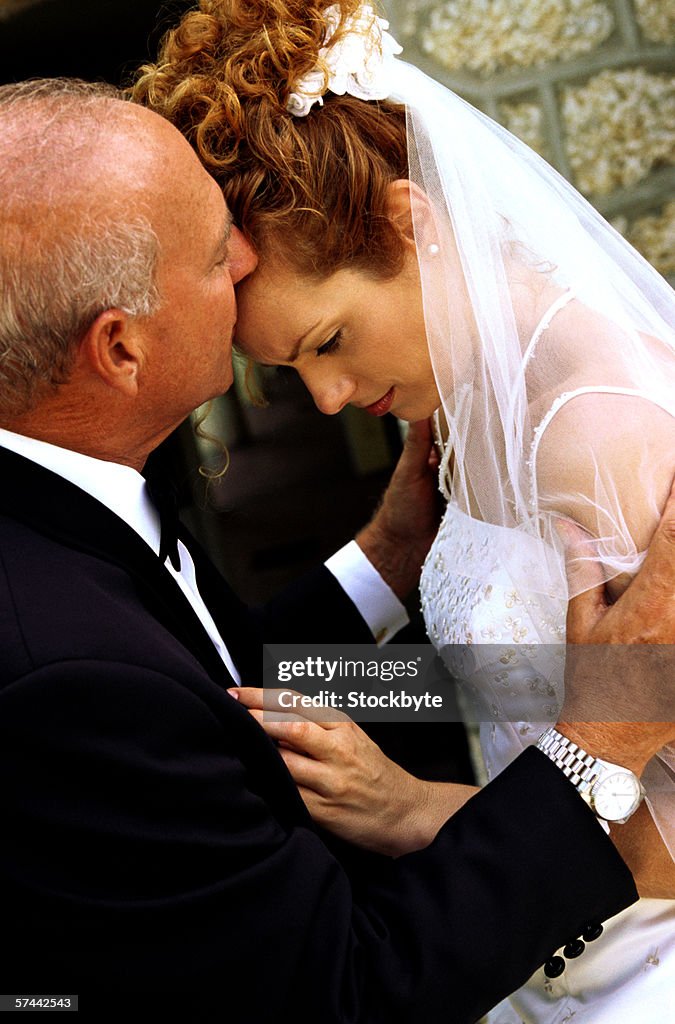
x: 607, y: 462
x: 638, y: 841
x: 643, y: 850
x: 351, y: 787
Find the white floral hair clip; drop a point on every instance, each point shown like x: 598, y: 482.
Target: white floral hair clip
x: 357, y: 63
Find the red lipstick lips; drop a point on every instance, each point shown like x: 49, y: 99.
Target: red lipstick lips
x: 382, y: 405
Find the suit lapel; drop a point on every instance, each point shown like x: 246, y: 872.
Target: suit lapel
x: 232, y: 618
x: 58, y: 509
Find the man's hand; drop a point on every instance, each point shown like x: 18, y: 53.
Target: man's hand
x: 620, y: 676
x: 645, y: 613
x: 400, y: 533
x: 620, y: 687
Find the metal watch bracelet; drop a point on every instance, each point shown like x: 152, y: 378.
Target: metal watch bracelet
x: 584, y: 771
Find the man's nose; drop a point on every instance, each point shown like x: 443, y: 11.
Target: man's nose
x: 242, y: 257
x: 330, y: 396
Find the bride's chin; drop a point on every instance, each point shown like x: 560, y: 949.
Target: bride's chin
x: 413, y: 414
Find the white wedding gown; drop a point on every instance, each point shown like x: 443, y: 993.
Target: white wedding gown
x: 504, y: 647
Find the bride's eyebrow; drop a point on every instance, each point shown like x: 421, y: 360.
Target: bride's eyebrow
x: 297, y: 345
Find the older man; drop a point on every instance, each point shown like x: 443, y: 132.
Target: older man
x: 153, y: 841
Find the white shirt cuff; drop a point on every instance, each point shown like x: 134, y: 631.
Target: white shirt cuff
x: 375, y: 600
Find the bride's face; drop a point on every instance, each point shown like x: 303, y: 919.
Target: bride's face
x: 353, y: 338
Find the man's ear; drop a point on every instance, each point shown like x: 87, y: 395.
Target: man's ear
x: 410, y: 211
x: 112, y: 350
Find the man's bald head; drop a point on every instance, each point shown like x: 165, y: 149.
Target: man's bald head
x: 76, y: 224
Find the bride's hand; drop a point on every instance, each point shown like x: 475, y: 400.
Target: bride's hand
x: 348, y: 785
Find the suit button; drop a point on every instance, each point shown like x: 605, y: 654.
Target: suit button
x: 554, y: 967
x: 574, y: 949
x: 592, y: 932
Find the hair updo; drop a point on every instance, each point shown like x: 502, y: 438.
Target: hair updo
x: 311, y: 189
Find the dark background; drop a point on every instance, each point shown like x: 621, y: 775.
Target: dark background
x: 299, y: 484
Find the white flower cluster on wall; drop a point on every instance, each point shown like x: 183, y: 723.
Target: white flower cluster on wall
x: 654, y: 236
x: 619, y: 125
x: 485, y: 36
x: 656, y: 19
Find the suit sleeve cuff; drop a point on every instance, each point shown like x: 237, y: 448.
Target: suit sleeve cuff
x: 375, y: 600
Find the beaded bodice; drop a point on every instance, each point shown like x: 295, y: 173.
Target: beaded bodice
x: 504, y: 647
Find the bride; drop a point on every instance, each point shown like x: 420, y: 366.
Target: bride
x: 417, y: 259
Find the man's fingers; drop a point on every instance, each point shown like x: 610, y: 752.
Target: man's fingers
x: 418, y: 446
x: 419, y: 434
x: 658, y: 571
x: 581, y: 557
x: 585, y: 578
x: 584, y: 612
x: 648, y: 604
x: 667, y: 524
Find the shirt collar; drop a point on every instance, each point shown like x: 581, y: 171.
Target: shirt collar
x: 120, y: 488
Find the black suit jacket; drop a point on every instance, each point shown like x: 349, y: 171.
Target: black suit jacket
x: 153, y: 841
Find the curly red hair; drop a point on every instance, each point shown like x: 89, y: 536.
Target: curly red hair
x: 312, y: 189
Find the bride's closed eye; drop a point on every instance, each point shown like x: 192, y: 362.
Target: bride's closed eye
x: 332, y: 345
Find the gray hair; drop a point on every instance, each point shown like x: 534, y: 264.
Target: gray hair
x: 63, y: 260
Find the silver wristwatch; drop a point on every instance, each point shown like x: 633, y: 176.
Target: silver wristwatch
x: 613, y: 793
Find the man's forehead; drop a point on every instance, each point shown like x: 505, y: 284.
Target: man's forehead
x: 151, y: 157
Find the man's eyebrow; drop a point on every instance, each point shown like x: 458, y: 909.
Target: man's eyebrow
x: 226, y: 234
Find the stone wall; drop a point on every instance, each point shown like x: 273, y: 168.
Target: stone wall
x: 590, y: 84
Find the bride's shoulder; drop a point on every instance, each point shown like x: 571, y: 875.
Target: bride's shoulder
x: 606, y: 458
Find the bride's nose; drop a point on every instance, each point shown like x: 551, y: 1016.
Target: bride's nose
x: 331, y: 394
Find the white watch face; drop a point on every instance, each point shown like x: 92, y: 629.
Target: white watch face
x: 616, y: 796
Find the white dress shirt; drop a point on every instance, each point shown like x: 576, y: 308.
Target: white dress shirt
x: 124, y: 491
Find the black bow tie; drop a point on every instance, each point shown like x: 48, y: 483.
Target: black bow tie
x: 164, y: 497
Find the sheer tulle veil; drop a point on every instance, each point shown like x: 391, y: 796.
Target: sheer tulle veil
x: 500, y: 237
x: 512, y: 233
